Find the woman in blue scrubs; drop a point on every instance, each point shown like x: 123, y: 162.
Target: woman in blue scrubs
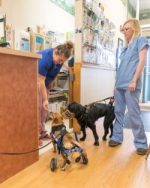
x: 128, y: 86
x: 49, y: 66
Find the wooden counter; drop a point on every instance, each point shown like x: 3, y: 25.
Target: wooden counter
x: 18, y: 110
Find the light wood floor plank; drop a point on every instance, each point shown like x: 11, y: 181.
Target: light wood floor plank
x: 108, y: 167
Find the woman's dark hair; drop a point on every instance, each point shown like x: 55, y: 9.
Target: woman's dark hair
x: 66, y: 49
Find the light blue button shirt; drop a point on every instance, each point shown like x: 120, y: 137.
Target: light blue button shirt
x: 129, y: 61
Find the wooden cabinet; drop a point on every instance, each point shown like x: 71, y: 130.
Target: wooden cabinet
x: 18, y: 111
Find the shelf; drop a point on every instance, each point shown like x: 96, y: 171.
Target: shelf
x: 56, y: 96
x: 58, y: 90
x: 59, y: 95
x: 63, y: 74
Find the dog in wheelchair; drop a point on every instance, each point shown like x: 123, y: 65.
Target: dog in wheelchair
x: 64, y: 143
x: 88, y: 115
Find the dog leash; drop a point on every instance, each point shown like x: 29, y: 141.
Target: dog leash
x: 112, y: 97
x: 30, y: 151
x: 25, y: 152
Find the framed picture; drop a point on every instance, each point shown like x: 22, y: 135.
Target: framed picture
x: 118, y: 52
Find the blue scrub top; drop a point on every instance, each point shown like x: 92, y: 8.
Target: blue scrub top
x: 129, y: 61
x: 46, y: 66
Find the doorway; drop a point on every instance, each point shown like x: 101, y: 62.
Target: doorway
x: 146, y: 80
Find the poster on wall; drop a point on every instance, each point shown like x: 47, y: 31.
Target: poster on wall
x: 67, y: 5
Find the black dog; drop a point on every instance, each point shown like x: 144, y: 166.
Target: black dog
x: 88, y: 115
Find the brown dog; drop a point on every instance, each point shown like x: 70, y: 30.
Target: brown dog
x: 67, y: 141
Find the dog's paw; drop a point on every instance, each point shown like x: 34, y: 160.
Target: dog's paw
x: 96, y: 143
x: 82, y: 139
x: 63, y: 168
x: 104, y: 138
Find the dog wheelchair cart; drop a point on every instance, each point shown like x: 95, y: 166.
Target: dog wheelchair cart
x: 64, y: 152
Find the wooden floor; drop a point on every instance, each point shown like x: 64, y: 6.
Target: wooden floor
x: 108, y: 167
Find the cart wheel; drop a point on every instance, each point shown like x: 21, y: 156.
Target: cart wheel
x: 84, y: 159
x: 78, y: 159
x: 53, y: 164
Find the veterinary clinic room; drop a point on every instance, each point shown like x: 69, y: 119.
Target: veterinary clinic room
x: 75, y: 93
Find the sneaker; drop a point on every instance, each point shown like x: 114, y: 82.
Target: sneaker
x: 113, y: 143
x: 141, y: 151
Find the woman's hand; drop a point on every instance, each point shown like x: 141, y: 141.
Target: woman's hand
x: 45, y: 105
x: 132, y: 86
x: 142, y: 57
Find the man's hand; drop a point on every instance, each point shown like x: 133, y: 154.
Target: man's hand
x: 45, y: 105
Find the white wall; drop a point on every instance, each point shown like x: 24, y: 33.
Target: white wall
x: 98, y: 83
x: 116, y: 12
x: 146, y: 29
x: 30, y: 13
x: 95, y: 83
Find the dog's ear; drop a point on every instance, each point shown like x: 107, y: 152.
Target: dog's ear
x: 50, y: 115
x: 74, y: 107
x: 73, y: 103
x: 59, y: 116
x: 55, y: 115
x: 55, y: 121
